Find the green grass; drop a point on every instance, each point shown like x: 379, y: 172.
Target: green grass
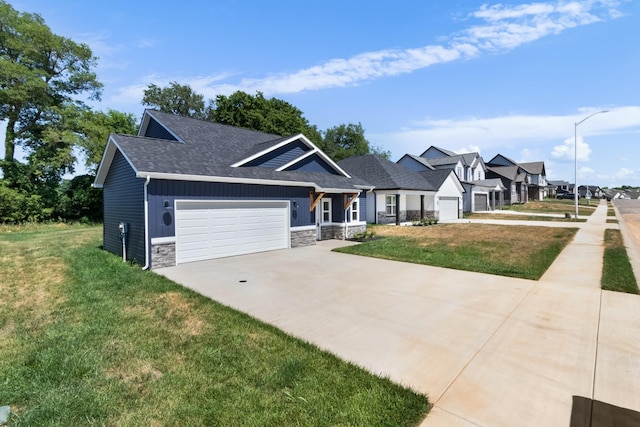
x: 533, y: 217
x: 86, y: 339
x: 556, y: 206
x: 483, y: 254
x: 617, y: 274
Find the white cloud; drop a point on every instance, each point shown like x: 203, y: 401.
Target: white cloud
x: 567, y: 150
x: 469, y: 149
x: 511, y: 131
x: 501, y: 28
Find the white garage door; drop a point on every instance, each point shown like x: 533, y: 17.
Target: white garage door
x: 448, y: 208
x: 216, y: 229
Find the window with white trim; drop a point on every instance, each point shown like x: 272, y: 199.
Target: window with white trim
x: 355, y: 211
x: 390, y: 202
x: 326, y: 210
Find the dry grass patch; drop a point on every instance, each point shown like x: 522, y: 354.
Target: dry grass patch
x: 523, y: 239
x: 516, y: 251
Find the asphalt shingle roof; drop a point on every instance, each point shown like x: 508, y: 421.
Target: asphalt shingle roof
x: 385, y: 174
x: 209, y: 149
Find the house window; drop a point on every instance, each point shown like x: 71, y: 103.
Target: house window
x: 355, y: 211
x: 390, y: 202
x: 326, y: 210
x: 459, y: 173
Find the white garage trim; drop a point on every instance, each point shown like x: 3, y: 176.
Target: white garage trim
x: 449, y: 208
x: 207, y: 229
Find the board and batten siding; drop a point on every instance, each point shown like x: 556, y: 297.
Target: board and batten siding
x: 313, y: 163
x: 280, y: 156
x: 123, y: 201
x: 155, y: 130
x: 162, y: 195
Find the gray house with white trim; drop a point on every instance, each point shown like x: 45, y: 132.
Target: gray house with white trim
x: 190, y: 190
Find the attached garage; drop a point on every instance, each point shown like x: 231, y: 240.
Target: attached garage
x: 448, y: 208
x: 480, y: 202
x: 216, y: 229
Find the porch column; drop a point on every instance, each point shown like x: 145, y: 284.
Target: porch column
x: 397, y: 209
x: 422, y: 206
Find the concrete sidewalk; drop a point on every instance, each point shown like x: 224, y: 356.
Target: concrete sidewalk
x: 566, y: 339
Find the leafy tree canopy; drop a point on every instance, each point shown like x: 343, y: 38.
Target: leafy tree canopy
x: 347, y: 140
x: 176, y: 99
x: 270, y: 115
x: 41, y: 75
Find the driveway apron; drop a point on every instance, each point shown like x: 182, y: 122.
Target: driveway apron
x: 488, y: 350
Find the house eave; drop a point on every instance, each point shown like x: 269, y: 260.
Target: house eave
x: 237, y: 180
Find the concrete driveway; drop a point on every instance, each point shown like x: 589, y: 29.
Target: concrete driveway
x: 487, y: 350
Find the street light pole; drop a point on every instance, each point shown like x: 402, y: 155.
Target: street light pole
x: 575, y: 144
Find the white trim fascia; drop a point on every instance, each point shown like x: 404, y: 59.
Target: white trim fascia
x: 268, y: 150
x: 298, y: 159
x: 236, y: 180
x: 405, y: 192
x: 149, y: 113
x: 163, y: 240
x: 107, y: 159
x: 307, y: 142
x: 343, y: 224
x: 304, y: 228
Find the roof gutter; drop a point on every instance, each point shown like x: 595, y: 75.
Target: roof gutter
x: 146, y: 224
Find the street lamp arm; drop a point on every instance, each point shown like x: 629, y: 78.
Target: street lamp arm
x: 589, y: 116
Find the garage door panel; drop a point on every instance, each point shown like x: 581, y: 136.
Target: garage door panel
x: 448, y: 209
x: 229, y: 228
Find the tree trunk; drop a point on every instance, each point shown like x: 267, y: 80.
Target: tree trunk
x: 10, y: 140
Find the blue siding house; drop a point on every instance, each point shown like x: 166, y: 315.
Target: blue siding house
x: 186, y: 190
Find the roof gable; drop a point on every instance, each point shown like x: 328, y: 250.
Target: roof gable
x: 438, y: 177
x: 286, y: 152
x: 536, y: 168
x: 385, y: 174
x: 500, y: 160
x: 416, y: 163
x: 434, y: 152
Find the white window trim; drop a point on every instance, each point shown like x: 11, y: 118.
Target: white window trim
x: 322, y: 210
x: 355, y: 211
x: 387, y: 204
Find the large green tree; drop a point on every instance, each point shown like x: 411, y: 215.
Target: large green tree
x: 42, y: 76
x: 270, y: 115
x: 176, y: 99
x: 347, y: 140
x: 94, y: 127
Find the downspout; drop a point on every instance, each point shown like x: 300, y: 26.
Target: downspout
x: 146, y: 224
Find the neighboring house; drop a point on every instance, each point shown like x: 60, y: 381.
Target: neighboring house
x: 468, y: 167
x: 402, y: 194
x: 515, y: 178
x: 190, y: 190
x: 592, y: 191
x: 488, y: 195
x: 537, y: 185
x: 558, y: 187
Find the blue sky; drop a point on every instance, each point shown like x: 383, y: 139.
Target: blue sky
x: 509, y: 78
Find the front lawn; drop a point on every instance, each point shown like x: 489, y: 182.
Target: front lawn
x: 515, y: 251
x: 523, y: 217
x: 617, y: 274
x: 86, y: 339
x: 556, y: 206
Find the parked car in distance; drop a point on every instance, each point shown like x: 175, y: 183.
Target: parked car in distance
x: 567, y: 196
